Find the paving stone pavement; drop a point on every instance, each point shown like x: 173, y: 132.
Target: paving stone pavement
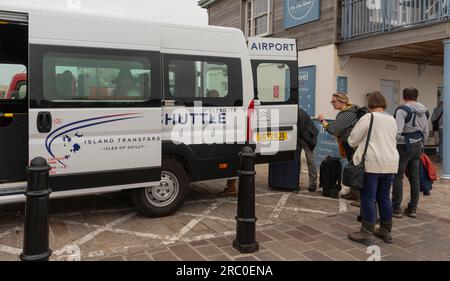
x: 297, y: 227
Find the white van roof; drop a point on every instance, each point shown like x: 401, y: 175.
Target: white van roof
x: 57, y: 27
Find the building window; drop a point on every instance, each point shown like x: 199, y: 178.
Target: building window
x: 258, y: 17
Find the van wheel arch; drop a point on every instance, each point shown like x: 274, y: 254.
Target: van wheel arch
x: 180, y: 159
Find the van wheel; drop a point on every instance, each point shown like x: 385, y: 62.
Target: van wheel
x: 169, y: 196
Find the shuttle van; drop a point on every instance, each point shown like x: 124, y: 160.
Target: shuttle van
x: 119, y: 104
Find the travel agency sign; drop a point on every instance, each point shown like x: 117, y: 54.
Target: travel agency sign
x: 297, y: 12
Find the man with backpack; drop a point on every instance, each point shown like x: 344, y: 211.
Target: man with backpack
x: 412, y: 132
x: 438, y: 125
x: 307, y: 140
x: 346, y: 119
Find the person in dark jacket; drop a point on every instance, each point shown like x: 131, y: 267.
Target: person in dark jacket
x: 307, y: 140
x: 437, y: 119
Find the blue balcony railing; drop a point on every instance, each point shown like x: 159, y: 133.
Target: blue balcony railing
x: 360, y: 17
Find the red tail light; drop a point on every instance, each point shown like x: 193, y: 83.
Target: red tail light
x: 250, y: 110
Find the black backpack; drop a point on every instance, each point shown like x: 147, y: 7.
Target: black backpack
x: 331, y: 176
x: 410, y: 114
x: 361, y: 111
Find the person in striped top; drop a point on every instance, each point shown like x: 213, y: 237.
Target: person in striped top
x: 341, y: 129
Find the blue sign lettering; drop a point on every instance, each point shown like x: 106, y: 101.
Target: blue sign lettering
x: 307, y: 89
x: 297, y: 12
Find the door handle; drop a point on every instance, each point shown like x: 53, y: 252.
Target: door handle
x: 44, y: 122
x: 168, y: 102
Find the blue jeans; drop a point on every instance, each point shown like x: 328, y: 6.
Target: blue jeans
x: 376, y: 191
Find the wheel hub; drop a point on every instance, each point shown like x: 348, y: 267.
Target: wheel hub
x: 164, y: 190
x: 163, y: 194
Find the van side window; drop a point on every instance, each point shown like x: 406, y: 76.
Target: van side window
x: 274, y: 82
x: 12, y: 77
x: 198, y: 79
x: 215, y: 81
x: 95, y: 78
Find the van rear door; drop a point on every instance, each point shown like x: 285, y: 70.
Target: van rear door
x: 95, y: 108
x: 275, y: 78
x: 13, y: 96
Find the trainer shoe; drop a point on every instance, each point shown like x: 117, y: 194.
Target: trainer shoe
x: 397, y: 213
x: 410, y: 212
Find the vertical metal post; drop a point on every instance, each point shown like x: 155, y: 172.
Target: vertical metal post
x: 36, y: 229
x: 350, y: 19
x: 245, y: 241
x: 387, y: 15
x: 344, y: 20
x: 446, y: 107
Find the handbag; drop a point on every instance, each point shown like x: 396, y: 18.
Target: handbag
x: 353, y: 175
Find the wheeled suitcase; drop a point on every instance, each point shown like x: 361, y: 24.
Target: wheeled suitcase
x: 285, y: 175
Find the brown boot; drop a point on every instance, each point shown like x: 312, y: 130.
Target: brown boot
x: 230, y: 190
x: 364, y: 236
x: 384, y: 232
x: 356, y: 204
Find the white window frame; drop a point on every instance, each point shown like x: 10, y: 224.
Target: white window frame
x: 253, y: 19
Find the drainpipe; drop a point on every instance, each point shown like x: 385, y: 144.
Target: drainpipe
x: 446, y: 106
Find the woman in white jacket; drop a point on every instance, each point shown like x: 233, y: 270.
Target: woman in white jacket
x: 381, y: 164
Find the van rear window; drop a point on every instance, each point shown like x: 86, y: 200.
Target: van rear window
x: 274, y: 82
x: 91, y: 78
x: 13, y: 83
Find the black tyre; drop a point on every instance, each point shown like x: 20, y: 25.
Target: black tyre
x: 168, y: 197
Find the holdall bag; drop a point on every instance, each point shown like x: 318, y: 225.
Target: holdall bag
x: 330, y: 176
x: 353, y: 175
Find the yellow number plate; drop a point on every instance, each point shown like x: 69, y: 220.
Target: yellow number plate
x: 271, y: 136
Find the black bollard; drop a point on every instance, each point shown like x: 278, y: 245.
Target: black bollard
x: 245, y: 241
x: 36, y: 229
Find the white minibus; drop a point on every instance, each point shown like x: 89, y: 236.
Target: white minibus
x: 120, y: 104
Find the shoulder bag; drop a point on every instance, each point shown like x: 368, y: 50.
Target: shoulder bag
x: 353, y: 175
